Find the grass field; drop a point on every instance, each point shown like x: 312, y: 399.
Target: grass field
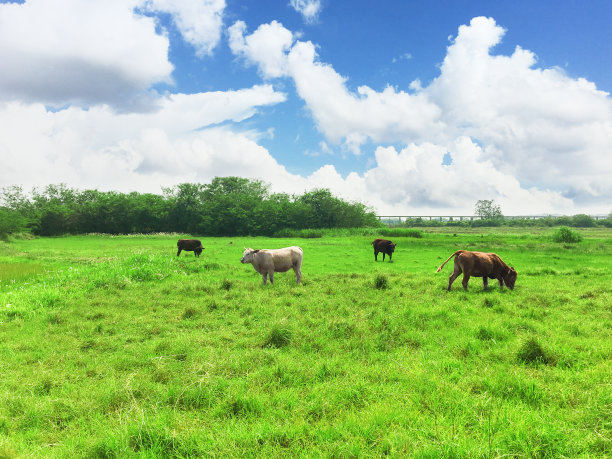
x: 114, y: 347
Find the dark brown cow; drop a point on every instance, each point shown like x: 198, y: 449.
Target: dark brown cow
x: 189, y: 245
x: 480, y: 264
x: 384, y: 246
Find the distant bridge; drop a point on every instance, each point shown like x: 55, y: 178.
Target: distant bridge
x: 396, y: 219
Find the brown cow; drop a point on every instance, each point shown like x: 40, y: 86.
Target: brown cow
x: 189, y: 245
x: 384, y: 246
x: 480, y: 264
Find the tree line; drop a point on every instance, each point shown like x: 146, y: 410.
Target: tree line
x: 228, y: 206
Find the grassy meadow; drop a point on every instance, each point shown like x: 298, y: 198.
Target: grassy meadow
x: 114, y: 347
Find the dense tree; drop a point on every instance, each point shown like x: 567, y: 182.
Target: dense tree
x: 11, y: 221
x: 225, y: 206
x: 231, y: 206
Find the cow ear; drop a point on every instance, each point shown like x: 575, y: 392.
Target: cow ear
x: 255, y: 251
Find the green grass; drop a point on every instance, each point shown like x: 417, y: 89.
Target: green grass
x: 115, y: 347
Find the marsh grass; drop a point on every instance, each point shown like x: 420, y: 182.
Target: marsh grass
x: 118, y: 348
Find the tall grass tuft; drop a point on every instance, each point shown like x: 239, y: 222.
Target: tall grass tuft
x: 531, y: 352
x: 226, y: 284
x: 280, y: 336
x: 190, y: 313
x: 381, y: 282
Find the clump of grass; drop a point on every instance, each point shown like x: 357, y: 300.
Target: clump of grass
x: 189, y: 313
x: 490, y: 302
x: 531, y: 352
x: 565, y: 235
x: 381, y: 282
x: 226, y: 284
x: 280, y: 336
x: 155, y: 439
x: 489, y: 334
x: 43, y: 387
x: 243, y: 406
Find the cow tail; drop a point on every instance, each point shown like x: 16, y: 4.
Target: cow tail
x: 442, y: 265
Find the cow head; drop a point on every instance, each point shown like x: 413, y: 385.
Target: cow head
x: 247, y: 255
x: 391, y: 247
x: 198, y: 250
x: 510, y: 278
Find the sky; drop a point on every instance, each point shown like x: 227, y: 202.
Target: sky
x: 411, y: 107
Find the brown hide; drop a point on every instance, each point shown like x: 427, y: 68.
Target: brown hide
x: 480, y: 264
x: 383, y: 245
x: 189, y: 245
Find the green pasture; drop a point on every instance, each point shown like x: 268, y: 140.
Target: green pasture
x: 112, y: 346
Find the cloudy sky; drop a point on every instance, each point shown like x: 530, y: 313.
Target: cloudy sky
x: 413, y: 107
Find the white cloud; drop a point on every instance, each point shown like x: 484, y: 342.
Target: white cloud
x: 341, y: 115
x: 402, y: 57
x: 69, y: 51
x: 547, y: 135
x: 100, y: 148
x: 266, y: 47
x: 538, y: 125
x: 414, y: 181
x: 417, y: 178
x: 200, y: 22
x: 309, y: 9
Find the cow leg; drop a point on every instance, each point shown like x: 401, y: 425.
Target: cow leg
x: 271, y: 277
x: 264, y: 276
x: 501, y: 282
x: 298, y: 273
x: 384, y: 256
x: 389, y: 258
x: 179, y: 252
x: 485, y: 282
x: 465, y: 281
x: 452, y: 278
x: 375, y: 255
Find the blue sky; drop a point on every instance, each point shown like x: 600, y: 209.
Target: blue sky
x: 411, y: 107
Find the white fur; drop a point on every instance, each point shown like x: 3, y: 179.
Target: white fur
x: 268, y: 261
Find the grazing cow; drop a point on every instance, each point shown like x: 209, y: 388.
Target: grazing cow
x: 267, y: 262
x: 480, y: 264
x: 384, y: 246
x: 189, y: 245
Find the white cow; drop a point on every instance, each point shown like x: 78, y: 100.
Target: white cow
x: 268, y: 261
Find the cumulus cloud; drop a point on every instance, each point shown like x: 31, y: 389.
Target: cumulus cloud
x: 69, y: 51
x: 545, y: 135
x: 309, y: 9
x: 539, y: 125
x: 416, y: 177
x: 100, y: 148
x: 266, y: 47
x: 200, y: 22
x: 343, y: 117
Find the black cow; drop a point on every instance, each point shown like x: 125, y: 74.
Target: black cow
x: 189, y: 245
x: 384, y: 246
